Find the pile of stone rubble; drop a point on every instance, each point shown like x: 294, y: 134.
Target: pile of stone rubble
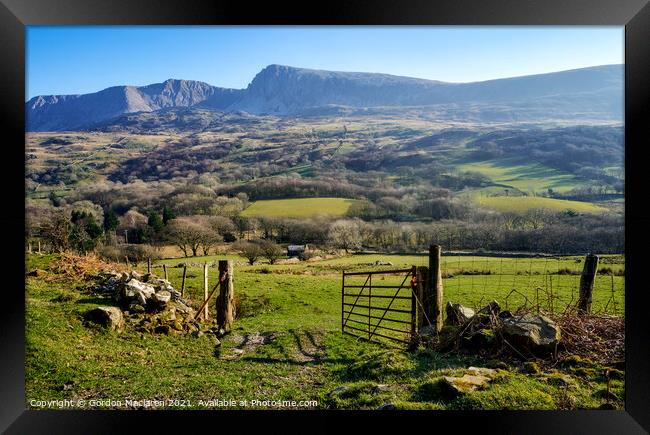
x: 525, y: 334
x: 149, y: 303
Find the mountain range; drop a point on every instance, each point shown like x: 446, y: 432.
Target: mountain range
x: 594, y: 94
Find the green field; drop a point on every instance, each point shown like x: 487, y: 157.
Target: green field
x: 299, y: 207
x: 309, y: 356
x: 526, y: 177
x: 522, y: 204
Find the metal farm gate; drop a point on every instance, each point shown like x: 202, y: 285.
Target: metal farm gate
x: 388, y: 304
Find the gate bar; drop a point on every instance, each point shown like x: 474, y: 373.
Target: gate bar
x: 377, y: 272
x: 380, y: 326
x: 394, y: 310
x: 377, y: 317
x: 379, y: 335
x: 378, y: 296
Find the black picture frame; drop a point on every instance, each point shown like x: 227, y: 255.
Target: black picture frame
x: 633, y: 14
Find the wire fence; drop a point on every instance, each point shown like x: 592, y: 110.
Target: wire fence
x: 549, y: 284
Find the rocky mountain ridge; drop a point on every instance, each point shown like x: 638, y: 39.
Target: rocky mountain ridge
x: 594, y: 93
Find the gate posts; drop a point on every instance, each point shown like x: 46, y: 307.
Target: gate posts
x: 587, y: 280
x: 205, y: 291
x: 225, y: 300
x: 183, y: 283
x: 434, y: 300
x: 422, y: 280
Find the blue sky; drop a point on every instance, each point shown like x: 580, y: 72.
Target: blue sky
x: 82, y: 59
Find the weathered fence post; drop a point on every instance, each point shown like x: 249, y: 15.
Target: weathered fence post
x: 165, y: 271
x: 369, y: 304
x: 29, y: 248
x: 148, y: 265
x: 225, y: 300
x: 422, y: 280
x: 343, y: 301
x: 205, y: 290
x: 414, y: 307
x: 587, y: 280
x: 39, y: 247
x: 436, y: 298
x: 183, y: 283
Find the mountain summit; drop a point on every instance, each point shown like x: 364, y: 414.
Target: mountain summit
x: 588, y: 93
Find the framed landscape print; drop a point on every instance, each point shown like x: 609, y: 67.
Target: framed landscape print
x: 406, y: 212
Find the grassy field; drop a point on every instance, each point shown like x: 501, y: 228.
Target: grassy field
x: 308, y: 357
x: 526, y: 177
x: 521, y: 204
x: 299, y: 207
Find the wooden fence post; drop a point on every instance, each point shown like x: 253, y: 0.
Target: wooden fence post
x: 39, y: 246
x: 205, y: 290
x: 587, y: 281
x: 225, y: 300
x: 165, y: 271
x: 422, y: 279
x: 29, y: 247
x: 435, y: 285
x: 148, y: 265
x: 183, y: 283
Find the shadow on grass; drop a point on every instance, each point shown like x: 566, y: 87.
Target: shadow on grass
x: 99, y: 300
x: 292, y: 361
x: 315, y: 351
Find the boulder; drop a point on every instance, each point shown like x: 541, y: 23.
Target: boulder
x: 457, y: 314
x: 448, y: 336
x: 135, y: 275
x: 475, y: 378
x: 479, y: 339
x: 134, y: 289
x: 162, y: 297
x: 533, y: 332
x: 482, y: 371
x: 159, y: 282
x: 108, y: 317
x: 464, y: 384
x: 136, y: 308
x: 339, y: 390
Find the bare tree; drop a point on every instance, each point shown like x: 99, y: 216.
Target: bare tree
x: 271, y: 251
x: 249, y: 250
x: 345, y: 235
x: 209, y: 239
x: 185, y: 234
x: 222, y: 225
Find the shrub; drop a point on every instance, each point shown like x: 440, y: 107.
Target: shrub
x: 136, y: 253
